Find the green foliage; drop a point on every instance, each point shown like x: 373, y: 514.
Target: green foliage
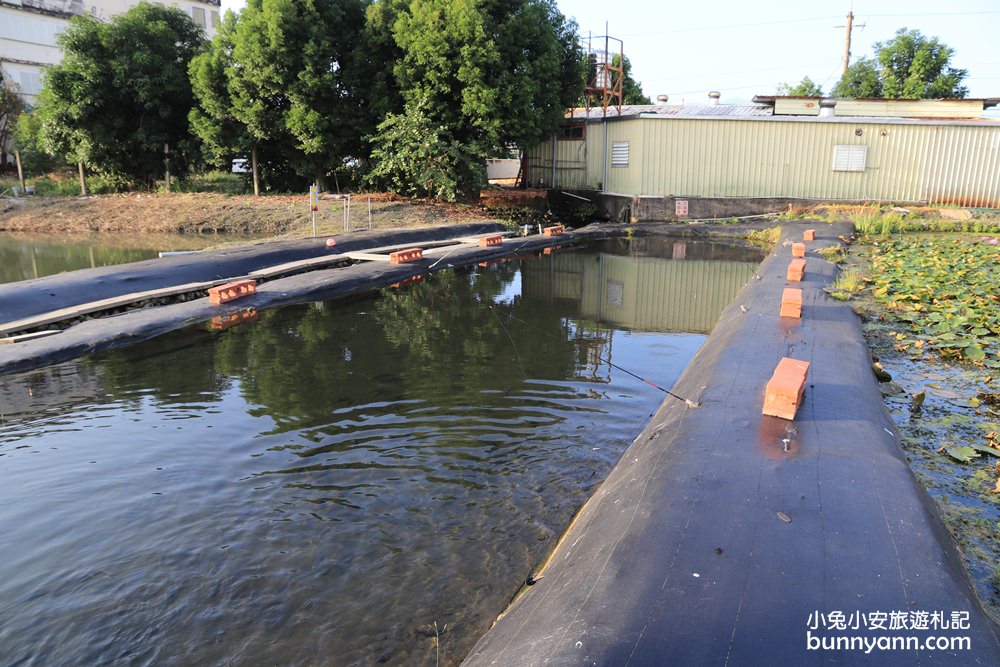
x: 804, y: 88
x: 909, y: 65
x: 414, y: 156
x: 34, y: 158
x: 11, y: 107
x: 942, y: 288
x: 488, y: 74
x: 833, y: 253
x: 288, y: 78
x: 631, y: 89
x: 121, y: 92
x: 213, y: 119
x: 765, y: 237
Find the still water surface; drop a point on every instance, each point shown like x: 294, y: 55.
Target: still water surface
x: 24, y: 257
x: 327, y: 484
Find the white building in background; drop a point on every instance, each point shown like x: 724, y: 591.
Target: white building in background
x: 29, y: 28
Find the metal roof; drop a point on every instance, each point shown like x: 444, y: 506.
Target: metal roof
x: 675, y: 110
x: 988, y: 102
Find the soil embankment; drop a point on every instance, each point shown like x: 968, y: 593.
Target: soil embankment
x: 208, y: 213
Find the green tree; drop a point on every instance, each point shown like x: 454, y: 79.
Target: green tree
x: 11, y: 107
x: 490, y: 74
x: 289, y: 75
x: 414, y: 156
x: 631, y: 89
x: 804, y: 88
x: 122, y: 92
x: 34, y: 158
x: 909, y: 65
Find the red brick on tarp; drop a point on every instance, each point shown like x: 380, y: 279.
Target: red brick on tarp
x: 784, y: 391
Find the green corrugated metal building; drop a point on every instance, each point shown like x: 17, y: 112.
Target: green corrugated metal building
x: 939, y: 152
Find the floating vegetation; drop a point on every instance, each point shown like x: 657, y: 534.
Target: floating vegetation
x: 946, y: 291
x: 928, y: 302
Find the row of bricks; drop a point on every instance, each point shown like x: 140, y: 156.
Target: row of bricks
x: 787, y: 385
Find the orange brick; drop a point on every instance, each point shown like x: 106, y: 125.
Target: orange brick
x: 784, y: 391
x: 791, y: 302
x: 554, y: 230
x: 798, y: 250
x: 220, y: 322
x: 551, y: 249
x: 232, y: 291
x: 490, y: 241
x: 796, y: 270
x: 404, y: 256
x: 409, y: 281
x: 809, y: 235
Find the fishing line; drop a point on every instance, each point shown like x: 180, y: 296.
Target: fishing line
x: 512, y: 343
x: 687, y: 401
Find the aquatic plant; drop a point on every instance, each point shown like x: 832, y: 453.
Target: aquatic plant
x: 946, y: 290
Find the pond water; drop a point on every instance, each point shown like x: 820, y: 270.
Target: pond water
x: 25, y: 257
x: 353, y: 482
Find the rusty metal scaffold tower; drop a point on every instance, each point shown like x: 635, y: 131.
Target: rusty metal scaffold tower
x: 605, y: 74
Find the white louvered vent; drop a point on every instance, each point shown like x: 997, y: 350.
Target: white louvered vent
x: 848, y: 157
x: 619, y: 154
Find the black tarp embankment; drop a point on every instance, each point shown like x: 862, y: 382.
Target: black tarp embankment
x: 42, y: 295
x: 682, y: 558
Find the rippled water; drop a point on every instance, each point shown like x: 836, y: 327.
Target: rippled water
x: 356, y: 482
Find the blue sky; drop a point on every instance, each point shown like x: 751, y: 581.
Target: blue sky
x: 684, y: 49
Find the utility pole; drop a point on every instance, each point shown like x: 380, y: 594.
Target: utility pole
x: 847, y: 42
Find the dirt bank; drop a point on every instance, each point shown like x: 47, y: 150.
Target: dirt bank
x: 208, y: 213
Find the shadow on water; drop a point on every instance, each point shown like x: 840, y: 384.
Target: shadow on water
x: 354, y: 482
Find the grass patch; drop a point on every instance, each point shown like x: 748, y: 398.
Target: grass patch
x: 67, y: 184
x: 877, y: 222
x: 765, y: 237
x: 833, y: 254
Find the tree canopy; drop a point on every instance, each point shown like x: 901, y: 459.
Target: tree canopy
x: 121, y: 92
x: 488, y: 73
x: 805, y: 88
x: 631, y: 89
x: 309, y: 86
x: 289, y: 75
x: 909, y: 65
x: 11, y: 106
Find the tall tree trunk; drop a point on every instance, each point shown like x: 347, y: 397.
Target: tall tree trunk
x: 83, y: 180
x: 253, y: 168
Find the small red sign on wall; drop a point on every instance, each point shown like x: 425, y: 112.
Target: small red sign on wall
x: 681, y: 207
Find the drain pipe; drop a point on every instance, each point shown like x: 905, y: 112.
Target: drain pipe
x: 604, y: 177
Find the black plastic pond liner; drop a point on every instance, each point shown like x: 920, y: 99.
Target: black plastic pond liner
x: 33, y: 297
x: 103, y: 333
x: 727, y: 537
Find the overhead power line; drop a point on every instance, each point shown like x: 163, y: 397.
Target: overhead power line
x: 787, y: 21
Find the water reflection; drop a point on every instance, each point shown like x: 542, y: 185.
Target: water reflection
x: 323, y: 486
x: 24, y: 257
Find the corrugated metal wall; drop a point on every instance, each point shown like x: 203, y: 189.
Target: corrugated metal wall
x: 906, y: 162
x: 640, y: 294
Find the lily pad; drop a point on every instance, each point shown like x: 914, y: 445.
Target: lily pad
x: 985, y: 449
x: 963, y: 454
